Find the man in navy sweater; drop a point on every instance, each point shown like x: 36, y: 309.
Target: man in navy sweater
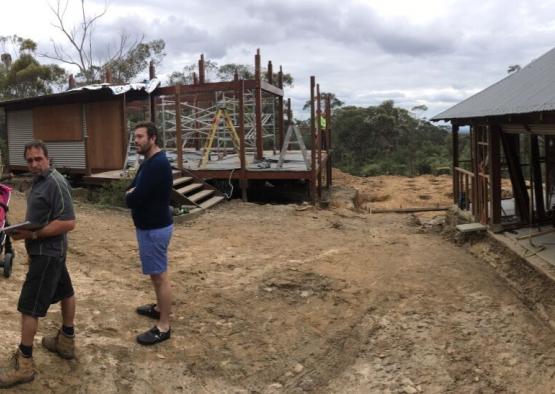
x: 149, y: 200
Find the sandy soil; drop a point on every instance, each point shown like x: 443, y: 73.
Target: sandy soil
x: 389, y: 191
x: 285, y: 298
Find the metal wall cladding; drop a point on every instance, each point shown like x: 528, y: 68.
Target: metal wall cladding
x: 20, y: 131
x: 69, y: 155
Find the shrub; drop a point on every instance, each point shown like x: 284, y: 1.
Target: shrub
x: 112, y: 194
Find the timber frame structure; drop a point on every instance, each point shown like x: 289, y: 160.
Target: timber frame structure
x: 512, y: 137
x: 257, y: 114
x: 89, y: 129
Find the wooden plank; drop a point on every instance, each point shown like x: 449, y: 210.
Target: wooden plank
x: 178, y: 131
x: 243, y: 182
x: 269, y: 88
x: 535, y: 234
x: 211, y: 202
x: 470, y: 227
x: 182, y: 180
x: 189, y: 188
x: 201, y: 195
x: 52, y: 123
x: 313, y: 141
x: 494, y: 154
x: 105, y: 145
x: 455, y: 140
x: 409, y: 210
x: 258, y: 108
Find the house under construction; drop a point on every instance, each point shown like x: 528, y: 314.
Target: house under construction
x: 239, y: 130
x: 512, y: 141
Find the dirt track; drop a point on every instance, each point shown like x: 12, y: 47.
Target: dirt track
x: 277, y: 299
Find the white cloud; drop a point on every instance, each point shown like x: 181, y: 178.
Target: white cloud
x: 433, y: 52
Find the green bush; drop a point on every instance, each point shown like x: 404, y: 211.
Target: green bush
x: 423, y: 167
x: 112, y: 194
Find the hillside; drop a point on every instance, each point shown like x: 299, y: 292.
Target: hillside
x: 287, y: 298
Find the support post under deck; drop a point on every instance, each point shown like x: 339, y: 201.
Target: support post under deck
x: 313, y: 143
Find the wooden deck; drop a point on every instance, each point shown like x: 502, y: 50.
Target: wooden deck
x: 229, y: 167
x: 114, y: 175
x: 293, y: 161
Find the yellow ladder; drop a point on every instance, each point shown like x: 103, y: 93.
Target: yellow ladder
x: 215, y: 123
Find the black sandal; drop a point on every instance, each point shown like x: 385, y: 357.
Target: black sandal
x: 149, y: 310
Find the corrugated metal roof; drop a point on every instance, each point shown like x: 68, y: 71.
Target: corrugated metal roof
x: 147, y: 87
x: 532, y: 89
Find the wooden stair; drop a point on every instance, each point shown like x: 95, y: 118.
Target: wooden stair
x: 193, y: 193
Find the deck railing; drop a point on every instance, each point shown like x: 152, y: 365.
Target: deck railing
x: 463, y: 188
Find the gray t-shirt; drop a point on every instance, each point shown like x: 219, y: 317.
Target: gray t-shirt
x: 48, y: 200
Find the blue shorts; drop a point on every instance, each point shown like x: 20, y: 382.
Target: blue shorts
x: 153, y: 249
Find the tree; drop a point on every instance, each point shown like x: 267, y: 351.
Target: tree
x: 128, y: 59
x: 186, y: 76
x: 334, y: 102
x: 386, y: 139
x: 21, y: 75
x: 136, y: 60
x: 225, y: 72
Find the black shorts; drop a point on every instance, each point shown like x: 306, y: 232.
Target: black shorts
x: 46, y: 283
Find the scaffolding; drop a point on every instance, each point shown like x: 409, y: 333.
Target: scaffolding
x: 236, y: 130
x: 197, y: 119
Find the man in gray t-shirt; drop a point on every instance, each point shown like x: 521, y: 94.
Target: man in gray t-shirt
x: 50, y: 211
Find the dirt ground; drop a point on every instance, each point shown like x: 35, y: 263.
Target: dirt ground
x: 390, y: 191
x: 293, y: 299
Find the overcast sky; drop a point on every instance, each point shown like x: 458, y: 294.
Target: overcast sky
x: 432, y: 52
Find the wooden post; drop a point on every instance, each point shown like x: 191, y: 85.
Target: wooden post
x: 494, y: 155
x: 280, y: 119
x: 243, y: 182
x: 258, y: 107
x: 178, y: 141
x: 455, y: 137
x: 549, y: 145
x: 85, y: 137
x: 474, y: 169
x: 328, y: 141
x: 124, y: 136
x: 535, y: 167
x: 270, y: 73
x: 201, y: 71
x: 151, y: 98
x: 313, y: 141
x: 151, y: 70
x: 319, y: 139
x: 71, y: 82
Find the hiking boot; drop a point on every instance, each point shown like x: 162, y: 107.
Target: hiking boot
x: 21, y: 370
x: 61, y: 344
x: 153, y: 336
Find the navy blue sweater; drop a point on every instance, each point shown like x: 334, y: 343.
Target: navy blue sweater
x: 150, y: 200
